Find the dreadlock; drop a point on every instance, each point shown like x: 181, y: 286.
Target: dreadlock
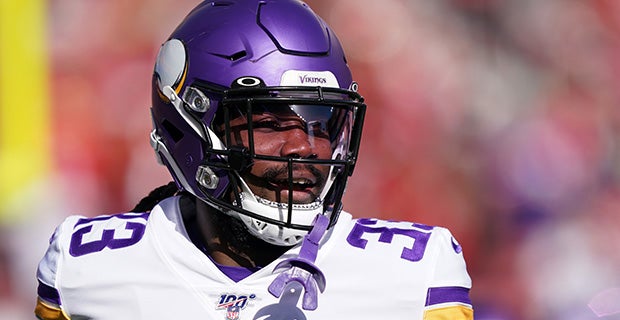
x: 232, y: 232
x: 154, y: 197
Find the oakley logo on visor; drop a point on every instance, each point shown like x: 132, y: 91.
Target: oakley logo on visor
x: 247, y: 81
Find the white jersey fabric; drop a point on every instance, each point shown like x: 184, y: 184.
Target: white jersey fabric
x: 143, y: 266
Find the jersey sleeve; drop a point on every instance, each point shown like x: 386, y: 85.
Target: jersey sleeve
x: 49, y: 306
x: 448, y: 293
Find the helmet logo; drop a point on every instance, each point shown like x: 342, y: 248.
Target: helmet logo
x: 248, y: 81
x: 309, y: 79
x: 171, y: 65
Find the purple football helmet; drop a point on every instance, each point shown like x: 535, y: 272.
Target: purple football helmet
x: 238, y: 58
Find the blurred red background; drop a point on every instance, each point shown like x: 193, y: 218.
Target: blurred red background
x: 499, y: 119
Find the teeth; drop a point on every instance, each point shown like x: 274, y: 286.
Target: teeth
x: 301, y: 181
x: 297, y: 181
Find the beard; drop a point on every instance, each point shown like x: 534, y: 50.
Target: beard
x: 242, y: 246
x: 274, y: 179
x: 233, y: 234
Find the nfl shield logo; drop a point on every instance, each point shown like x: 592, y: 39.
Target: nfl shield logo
x: 232, y: 313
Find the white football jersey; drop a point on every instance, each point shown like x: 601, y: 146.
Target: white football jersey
x: 143, y: 266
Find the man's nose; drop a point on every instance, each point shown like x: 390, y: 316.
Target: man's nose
x: 297, y: 144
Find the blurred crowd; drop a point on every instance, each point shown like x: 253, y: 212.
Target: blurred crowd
x: 499, y: 119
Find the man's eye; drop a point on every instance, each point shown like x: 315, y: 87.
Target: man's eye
x: 266, y: 124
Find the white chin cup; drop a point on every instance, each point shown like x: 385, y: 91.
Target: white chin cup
x: 303, y: 214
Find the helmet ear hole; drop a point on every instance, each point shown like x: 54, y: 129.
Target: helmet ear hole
x: 173, y: 131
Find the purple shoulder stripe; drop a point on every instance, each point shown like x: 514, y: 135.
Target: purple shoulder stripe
x: 48, y: 293
x: 447, y: 294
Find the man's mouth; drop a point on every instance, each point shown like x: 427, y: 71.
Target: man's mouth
x: 303, y: 185
x: 296, y: 184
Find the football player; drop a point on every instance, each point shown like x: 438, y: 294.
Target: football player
x: 258, y: 120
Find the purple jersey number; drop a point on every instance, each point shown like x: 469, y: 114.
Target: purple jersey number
x: 386, y: 234
x: 79, y: 248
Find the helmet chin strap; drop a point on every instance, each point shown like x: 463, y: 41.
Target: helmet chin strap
x: 302, y: 270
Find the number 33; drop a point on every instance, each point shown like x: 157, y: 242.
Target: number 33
x: 386, y: 234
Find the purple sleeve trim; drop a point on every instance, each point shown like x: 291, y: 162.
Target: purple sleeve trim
x: 447, y: 294
x: 48, y: 293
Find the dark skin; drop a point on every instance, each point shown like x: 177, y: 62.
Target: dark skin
x: 225, y: 238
